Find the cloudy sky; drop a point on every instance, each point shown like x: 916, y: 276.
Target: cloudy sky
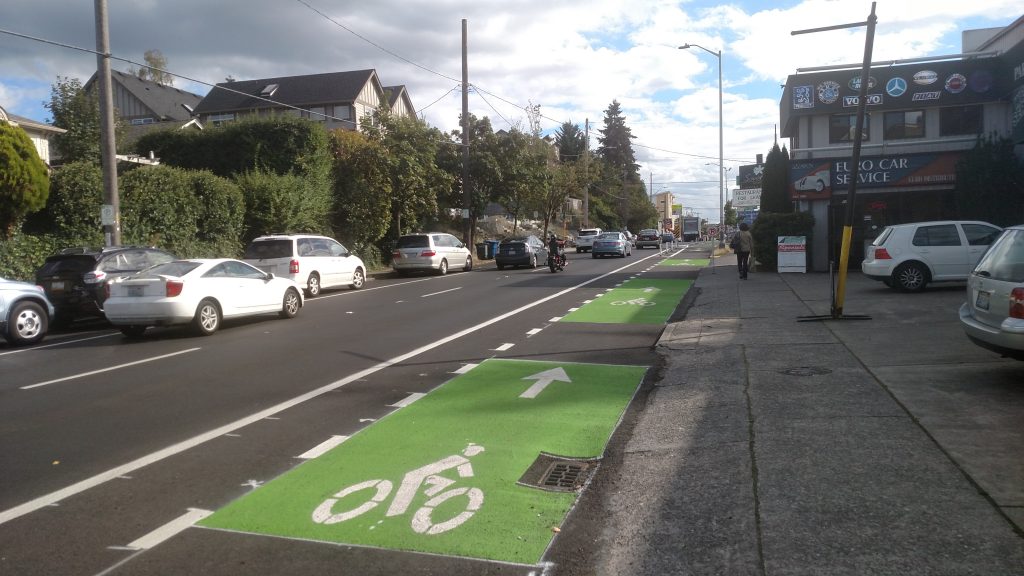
x: 570, y: 57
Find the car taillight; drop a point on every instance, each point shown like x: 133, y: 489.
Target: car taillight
x: 1017, y: 303
x: 882, y: 254
x: 396, y: 253
x: 428, y: 253
x: 94, y: 277
x: 293, y: 267
x: 173, y: 288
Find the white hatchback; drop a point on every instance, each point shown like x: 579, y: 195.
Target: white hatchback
x: 909, y: 256
x: 315, y: 262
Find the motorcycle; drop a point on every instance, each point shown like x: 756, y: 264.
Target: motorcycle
x: 557, y: 262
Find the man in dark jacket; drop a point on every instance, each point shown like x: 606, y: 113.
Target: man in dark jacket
x: 744, y: 245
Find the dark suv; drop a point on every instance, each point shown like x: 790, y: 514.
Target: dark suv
x: 75, y: 279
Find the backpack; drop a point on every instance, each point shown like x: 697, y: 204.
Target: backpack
x: 735, y: 242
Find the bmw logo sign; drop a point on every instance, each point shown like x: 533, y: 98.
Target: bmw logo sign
x: 896, y: 87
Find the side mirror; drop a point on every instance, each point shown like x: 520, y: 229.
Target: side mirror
x: 269, y: 276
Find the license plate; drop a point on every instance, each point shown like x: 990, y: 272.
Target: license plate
x: 135, y: 291
x: 56, y: 285
x: 981, y: 302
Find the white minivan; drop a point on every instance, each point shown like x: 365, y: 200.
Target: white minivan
x: 585, y: 239
x: 314, y: 262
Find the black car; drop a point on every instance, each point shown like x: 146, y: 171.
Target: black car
x: 521, y: 251
x: 75, y: 279
x: 649, y: 237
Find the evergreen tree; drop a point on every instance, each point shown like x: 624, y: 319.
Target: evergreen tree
x: 571, y: 142
x: 775, y: 182
x: 24, y: 184
x: 989, y: 180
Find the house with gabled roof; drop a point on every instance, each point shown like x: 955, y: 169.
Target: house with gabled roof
x: 145, y: 105
x: 39, y: 133
x: 336, y: 99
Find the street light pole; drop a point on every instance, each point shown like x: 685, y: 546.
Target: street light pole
x: 721, y: 146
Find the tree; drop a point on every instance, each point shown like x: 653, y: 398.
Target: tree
x: 620, y: 178
x: 571, y: 142
x: 24, y: 184
x: 775, y: 182
x: 524, y: 178
x: 484, y: 168
x: 362, y: 209
x: 989, y: 180
x: 154, y: 70
x: 78, y: 112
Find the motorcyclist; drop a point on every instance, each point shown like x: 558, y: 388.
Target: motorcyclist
x: 555, y: 247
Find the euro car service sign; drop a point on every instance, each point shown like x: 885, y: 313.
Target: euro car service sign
x: 828, y: 92
x: 925, y: 77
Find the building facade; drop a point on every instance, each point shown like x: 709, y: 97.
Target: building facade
x: 922, y: 115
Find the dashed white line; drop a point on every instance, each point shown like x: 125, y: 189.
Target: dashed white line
x: 556, y: 319
x: 534, y: 331
x: 441, y: 292
x: 322, y: 447
x: 408, y: 400
x: 465, y: 368
x: 168, y: 530
x: 503, y: 347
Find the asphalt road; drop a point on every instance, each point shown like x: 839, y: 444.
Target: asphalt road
x: 104, y: 441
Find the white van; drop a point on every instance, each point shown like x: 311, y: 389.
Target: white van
x: 585, y: 239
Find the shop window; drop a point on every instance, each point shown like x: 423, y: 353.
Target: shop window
x: 841, y: 128
x: 904, y: 124
x: 960, y: 120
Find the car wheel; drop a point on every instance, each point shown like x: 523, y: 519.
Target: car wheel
x: 533, y: 261
x: 133, y: 331
x: 594, y: 256
x: 292, y: 303
x: 469, y: 264
x: 358, y: 279
x: 501, y: 266
x: 26, y: 324
x: 910, y: 277
x: 313, y: 285
x: 443, y: 268
x: 207, y: 318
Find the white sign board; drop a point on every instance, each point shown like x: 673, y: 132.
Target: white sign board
x: 792, y: 254
x: 107, y: 216
x: 746, y: 198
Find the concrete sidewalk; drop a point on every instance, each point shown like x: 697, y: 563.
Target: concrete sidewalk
x: 770, y: 446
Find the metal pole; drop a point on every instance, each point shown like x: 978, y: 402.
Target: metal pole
x: 467, y: 197
x: 108, y: 151
x: 721, y: 160
x: 586, y: 175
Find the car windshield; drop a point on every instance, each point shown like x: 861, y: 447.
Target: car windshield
x: 1004, y: 261
x: 649, y: 232
x: 263, y: 249
x: 417, y: 241
x: 178, y: 268
x: 511, y: 240
x: 609, y: 236
x: 588, y: 232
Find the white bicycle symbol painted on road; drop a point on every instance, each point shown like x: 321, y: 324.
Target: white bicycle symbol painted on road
x: 634, y: 302
x: 435, y: 488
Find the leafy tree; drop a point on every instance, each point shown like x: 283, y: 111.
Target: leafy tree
x: 78, y: 112
x: 571, y: 142
x: 775, y: 182
x: 483, y: 166
x: 989, y: 180
x: 76, y: 196
x: 524, y: 177
x: 362, y: 207
x: 24, y: 184
x: 568, y: 179
x: 156, y: 64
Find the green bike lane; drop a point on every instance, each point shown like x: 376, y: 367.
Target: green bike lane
x: 489, y: 464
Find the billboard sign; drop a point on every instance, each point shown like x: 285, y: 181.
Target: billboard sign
x: 744, y: 198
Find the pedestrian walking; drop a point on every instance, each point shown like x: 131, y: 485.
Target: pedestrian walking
x: 744, y: 245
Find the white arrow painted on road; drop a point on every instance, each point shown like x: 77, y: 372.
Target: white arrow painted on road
x: 542, y: 380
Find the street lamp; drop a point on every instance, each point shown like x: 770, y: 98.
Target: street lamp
x: 721, y: 153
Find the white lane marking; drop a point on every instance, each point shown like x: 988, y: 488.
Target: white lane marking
x: 534, y: 331
x: 441, y: 292
x: 20, y: 350
x: 102, y: 370
x: 556, y: 319
x: 322, y: 448
x: 573, y: 309
x: 409, y: 400
x: 503, y: 347
x: 170, y: 529
x: 465, y: 368
x: 174, y: 449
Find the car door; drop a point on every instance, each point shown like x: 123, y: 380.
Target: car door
x: 979, y: 237
x: 258, y: 294
x: 325, y: 262
x: 942, y: 248
x: 343, y: 267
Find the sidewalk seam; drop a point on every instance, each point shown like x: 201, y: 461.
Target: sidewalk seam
x: 753, y: 464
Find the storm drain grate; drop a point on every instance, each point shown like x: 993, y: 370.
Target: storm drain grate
x: 558, y: 473
x: 805, y: 371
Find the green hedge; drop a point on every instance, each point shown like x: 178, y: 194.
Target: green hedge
x: 283, y: 204
x: 22, y: 254
x: 767, y: 229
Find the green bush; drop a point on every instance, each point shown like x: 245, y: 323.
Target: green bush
x: 767, y: 229
x: 221, y: 216
x: 22, y: 254
x: 285, y: 204
x: 73, y: 211
x: 158, y: 208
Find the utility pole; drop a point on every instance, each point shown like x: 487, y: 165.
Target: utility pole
x: 467, y: 197
x: 586, y: 176
x: 111, y: 214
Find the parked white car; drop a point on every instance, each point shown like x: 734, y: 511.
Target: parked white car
x: 993, y: 315
x: 200, y: 292
x: 909, y: 256
x: 435, y: 252
x: 316, y: 262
